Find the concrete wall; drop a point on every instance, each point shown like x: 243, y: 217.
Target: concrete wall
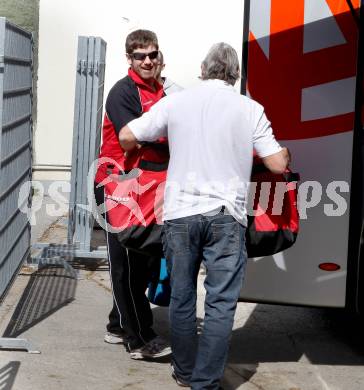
x: 185, y: 29
x: 21, y: 12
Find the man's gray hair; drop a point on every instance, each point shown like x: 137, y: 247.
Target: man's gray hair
x: 221, y: 63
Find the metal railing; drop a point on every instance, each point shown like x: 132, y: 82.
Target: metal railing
x: 15, y: 147
x: 16, y: 158
x: 85, y: 150
x: 86, y: 140
x: 16, y: 59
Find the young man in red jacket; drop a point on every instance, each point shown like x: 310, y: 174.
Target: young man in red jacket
x: 131, y: 319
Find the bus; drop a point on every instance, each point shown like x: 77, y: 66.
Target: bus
x: 303, y: 61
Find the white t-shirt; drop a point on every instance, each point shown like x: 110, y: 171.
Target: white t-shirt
x: 211, y: 131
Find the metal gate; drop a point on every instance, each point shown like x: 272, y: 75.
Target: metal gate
x: 15, y: 148
x: 85, y: 150
x: 86, y: 139
x: 16, y: 58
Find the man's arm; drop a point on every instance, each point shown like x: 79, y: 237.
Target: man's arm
x: 127, y: 139
x: 274, y: 157
x: 151, y: 126
x: 277, y: 162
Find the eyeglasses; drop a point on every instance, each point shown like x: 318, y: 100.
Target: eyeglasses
x: 142, y: 56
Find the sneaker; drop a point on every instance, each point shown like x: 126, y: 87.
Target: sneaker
x: 114, y: 338
x: 156, y: 348
x: 180, y: 382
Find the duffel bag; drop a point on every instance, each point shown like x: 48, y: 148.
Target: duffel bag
x: 273, y: 223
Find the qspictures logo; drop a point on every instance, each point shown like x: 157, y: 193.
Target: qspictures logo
x: 124, y: 189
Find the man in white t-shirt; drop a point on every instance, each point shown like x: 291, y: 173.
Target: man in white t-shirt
x: 211, y: 131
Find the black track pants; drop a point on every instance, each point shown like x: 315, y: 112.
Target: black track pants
x: 130, y: 273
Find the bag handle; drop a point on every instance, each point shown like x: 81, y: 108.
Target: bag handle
x: 288, y: 175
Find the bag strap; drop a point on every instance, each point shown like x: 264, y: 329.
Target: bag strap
x: 153, y: 166
x: 162, y: 147
x: 288, y: 176
x: 291, y: 176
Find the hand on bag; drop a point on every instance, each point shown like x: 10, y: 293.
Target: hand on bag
x: 288, y: 155
x: 128, y: 152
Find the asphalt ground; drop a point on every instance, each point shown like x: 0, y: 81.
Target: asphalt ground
x: 272, y: 347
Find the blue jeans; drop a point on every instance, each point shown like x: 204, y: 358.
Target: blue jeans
x: 219, y: 242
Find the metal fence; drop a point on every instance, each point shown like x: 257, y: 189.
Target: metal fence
x: 86, y: 138
x: 16, y: 51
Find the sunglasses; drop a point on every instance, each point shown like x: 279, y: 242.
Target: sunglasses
x: 142, y: 56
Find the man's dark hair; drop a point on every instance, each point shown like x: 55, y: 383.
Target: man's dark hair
x: 140, y: 39
x: 160, y: 58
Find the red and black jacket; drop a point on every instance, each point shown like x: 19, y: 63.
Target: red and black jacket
x: 129, y: 98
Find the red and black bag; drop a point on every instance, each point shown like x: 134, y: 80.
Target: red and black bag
x: 134, y: 198
x: 274, y: 221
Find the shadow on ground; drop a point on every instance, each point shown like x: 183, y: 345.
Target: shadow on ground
x: 276, y: 334
x: 48, y: 290
x: 8, y: 374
